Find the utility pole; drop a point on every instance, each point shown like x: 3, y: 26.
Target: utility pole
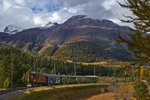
x: 74, y: 69
x: 34, y: 63
x: 94, y: 70
x: 114, y: 72
x: 54, y: 67
x: 12, y: 68
x: 115, y: 75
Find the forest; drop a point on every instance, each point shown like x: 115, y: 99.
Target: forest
x: 16, y: 64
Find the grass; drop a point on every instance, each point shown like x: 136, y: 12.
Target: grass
x: 65, y: 93
x: 106, y: 63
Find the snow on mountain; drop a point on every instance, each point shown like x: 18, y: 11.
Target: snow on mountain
x: 49, y: 25
x: 12, y: 29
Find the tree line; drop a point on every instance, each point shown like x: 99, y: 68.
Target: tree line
x: 16, y: 64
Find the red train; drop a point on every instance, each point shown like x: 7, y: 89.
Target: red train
x: 37, y: 79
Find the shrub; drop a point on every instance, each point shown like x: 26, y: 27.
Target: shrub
x: 141, y: 91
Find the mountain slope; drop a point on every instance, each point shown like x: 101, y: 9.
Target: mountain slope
x: 92, y: 44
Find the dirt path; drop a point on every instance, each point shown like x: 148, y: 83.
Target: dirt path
x: 105, y: 96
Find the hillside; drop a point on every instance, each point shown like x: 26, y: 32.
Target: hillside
x: 79, y: 39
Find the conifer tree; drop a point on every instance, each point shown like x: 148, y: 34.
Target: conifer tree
x: 138, y: 42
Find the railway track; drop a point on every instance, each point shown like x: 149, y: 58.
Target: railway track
x: 2, y: 92
x: 11, y: 90
x: 10, y: 93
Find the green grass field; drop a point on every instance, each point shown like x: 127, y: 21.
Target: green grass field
x: 65, y: 93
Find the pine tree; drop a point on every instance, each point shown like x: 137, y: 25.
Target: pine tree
x: 141, y: 91
x: 138, y: 42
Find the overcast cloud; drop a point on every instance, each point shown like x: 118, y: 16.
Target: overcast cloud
x: 33, y: 13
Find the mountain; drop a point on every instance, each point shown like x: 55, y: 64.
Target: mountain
x: 79, y: 39
x: 3, y: 37
x: 81, y: 21
x: 12, y: 29
x: 50, y: 24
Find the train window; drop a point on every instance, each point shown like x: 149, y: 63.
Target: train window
x: 34, y: 80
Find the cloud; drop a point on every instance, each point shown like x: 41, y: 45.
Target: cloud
x: 33, y: 13
x: 100, y: 9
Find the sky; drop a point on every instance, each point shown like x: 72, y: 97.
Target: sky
x: 35, y: 13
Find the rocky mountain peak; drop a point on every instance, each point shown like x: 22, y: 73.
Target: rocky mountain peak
x: 12, y: 29
x: 84, y: 21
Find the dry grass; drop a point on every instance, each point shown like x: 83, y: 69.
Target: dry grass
x: 105, y: 96
x: 121, y: 91
x: 106, y: 63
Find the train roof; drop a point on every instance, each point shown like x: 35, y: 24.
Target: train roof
x: 52, y: 75
x: 76, y: 76
x: 63, y: 75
